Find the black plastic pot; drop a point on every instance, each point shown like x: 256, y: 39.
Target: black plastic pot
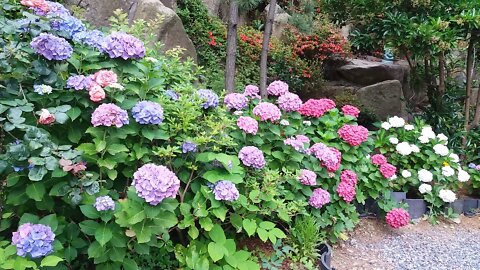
x: 416, y: 208
x: 325, y: 257
x: 457, y: 206
x: 398, y: 197
x: 470, y: 206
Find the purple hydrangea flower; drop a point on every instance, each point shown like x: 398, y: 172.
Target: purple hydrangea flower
x: 472, y: 165
x: 319, y: 198
x: 109, y: 115
x: 189, y: 147
x: 104, y: 203
x: 277, y: 88
x: 155, y: 183
x: 148, y: 112
x: 68, y: 24
x: 122, y: 45
x: 34, y: 240
x: 172, y: 94
x: 235, y: 101
x: 289, y: 102
x: 225, y: 191
x: 252, y: 91
x: 42, y: 89
x: 308, y: 177
x: 209, y: 97
x: 51, y: 47
x: 251, y: 156
x: 79, y: 82
x: 90, y: 38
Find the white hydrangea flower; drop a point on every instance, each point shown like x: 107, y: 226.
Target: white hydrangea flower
x: 455, y: 158
x: 284, y: 122
x: 307, y: 123
x: 406, y: 174
x: 442, y: 137
x: 409, y: 127
x: 447, y: 195
x: 367, y: 156
x: 463, y: 176
x: 393, y: 177
x: 441, y: 150
x: 414, y: 148
x: 448, y: 171
x: 396, y: 121
x: 386, y: 125
x: 404, y: 149
x: 425, y: 188
x: 428, y: 132
x: 393, y: 140
x: 423, y: 139
x: 425, y: 176
x: 238, y: 113
x: 116, y: 86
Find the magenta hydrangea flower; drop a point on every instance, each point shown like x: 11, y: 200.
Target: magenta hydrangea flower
x: 35, y: 240
x: 225, y: 191
x: 346, y: 191
x: 308, y: 177
x: 251, y: 91
x: 349, y: 177
x: 148, y: 112
x: 289, y: 102
x: 235, y: 101
x: 251, y: 156
x: 378, y: 159
x: 316, y: 107
x: 350, y: 110
x: 319, y: 198
x: 104, y: 203
x: 353, y: 135
x: 397, y: 218
x: 388, y: 170
x: 51, y: 47
x: 277, y: 88
x: 109, y: 115
x: 122, y: 45
x: 247, y: 124
x: 155, y: 183
x: 267, y: 112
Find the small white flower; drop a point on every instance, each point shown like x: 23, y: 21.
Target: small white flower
x: 448, y: 171
x: 284, y: 122
x: 425, y: 188
x: 442, y: 137
x: 428, y: 132
x: 414, y: 148
x: 406, y: 174
x: 307, y: 123
x: 425, y: 176
x: 423, y: 139
x: 238, y: 112
x: 463, y: 176
x: 386, y: 125
x: 367, y: 156
x: 393, y: 177
x: 116, y: 86
x: 151, y: 59
x: 393, y: 140
x: 455, y: 158
x: 404, y: 149
x: 441, y: 150
x: 409, y: 127
x: 42, y: 89
x: 396, y: 121
x: 447, y: 195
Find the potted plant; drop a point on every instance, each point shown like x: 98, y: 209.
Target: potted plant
x: 325, y: 256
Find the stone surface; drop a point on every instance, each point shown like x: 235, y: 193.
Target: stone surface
x: 98, y: 11
x: 366, y: 72
x: 384, y: 99
x: 213, y: 6
x: 172, y: 4
x: 280, y: 20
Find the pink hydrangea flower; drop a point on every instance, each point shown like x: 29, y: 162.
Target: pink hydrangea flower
x: 289, y: 102
x: 308, y: 177
x: 316, y: 107
x: 350, y: 110
x: 353, y: 135
x: 109, y: 115
x: 267, y: 112
x: 96, y: 93
x: 248, y: 124
x: 252, y: 91
x: 40, y: 4
x: 349, y: 177
x: 319, y: 198
x: 46, y: 118
x: 378, y: 159
x: 277, y: 88
x: 346, y: 191
x: 105, y: 78
x: 388, y: 170
x: 235, y: 101
x: 397, y: 218
x: 298, y: 142
x: 303, y: 138
x: 329, y: 156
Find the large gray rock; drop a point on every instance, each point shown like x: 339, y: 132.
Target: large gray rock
x: 213, y: 6
x: 97, y: 12
x: 280, y: 20
x: 172, y: 4
x: 366, y: 72
x: 384, y: 99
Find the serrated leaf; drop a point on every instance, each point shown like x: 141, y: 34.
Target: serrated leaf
x: 103, y: 234
x: 35, y: 191
x: 50, y: 261
x: 216, y: 251
x: 217, y: 234
x: 250, y: 226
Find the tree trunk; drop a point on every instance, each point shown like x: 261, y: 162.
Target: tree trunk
x: 231, y: 47
x: 265, y: 46
x: 468, y: 88
x: 441, y: 80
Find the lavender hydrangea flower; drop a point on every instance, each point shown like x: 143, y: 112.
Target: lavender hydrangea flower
x: 68, y: 25
x: 122, y: 45
x: 51, y: 47
x: 472, y: 165
x: 109, y: 115
x: 251, y: 156
x: 209, y: 97
x: 79, y: 82
x: 104, y: 203
x: 225, y: 191
x: 148, y: 112
x: 289, y: 102
x: 90, y: 38
x: 42, y: 89
x: 34, y: 240
x: 189, y: 147
x: 235, y: 101
x: 172, y: 94
x: 155, y: 183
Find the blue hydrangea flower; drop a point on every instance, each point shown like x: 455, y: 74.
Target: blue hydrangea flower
x: 104, y: 203
x: 209, y: 97
x: 225, y: 191
x: 52, y: 47
x: 79, y: 82
x: 148, y: 112
x: 189, y: 146
x: 42, y: 89
x: 172, y: 94
x: 69, y: 25
x: 34, y: 240
x: 54, y: 10
x: 90, y: 38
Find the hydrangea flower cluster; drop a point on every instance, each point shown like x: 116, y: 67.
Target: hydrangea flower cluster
x: 209, y: 97
x: 51, y: 47
x: 96, y: 93
x: 79, y: 82
x: 54, y: 10
x: 425, y: 188
x: 277, y: 88
x: 105, y: 78
x: 109, y: 115
x: 46, y: 118
x: 35, y: 240
x: 225, y: 191
x: 247, y: 124
x: 189, y: 146
x: 388, y: 170
x: 68, y: 24
x: 298, y: 142
x: 267, y: 112
x: 155, y: 183
x: 319, y: 198
x: 92, y: 38
x: 251, y: 156
x: 426, y: 135
x: 351, y: 110
x: 346, y: 187
x: 172, y: 95
x: 308, y: 177
x: 397, y: 218
x: 122, y: 45
x: 425, y: 176
x: 148, y: 112
x: 353, y: 135
x: 329, y: 156
x: 378, y: 159
x: 289, y: 102
x: 316, y: 107
x: 235, y: 101
x: 251, y: 91
x: 36, y: 4
x: 447, y: 195
x: 104, y: 203
x: 474, y: 166
x: 42, y: 89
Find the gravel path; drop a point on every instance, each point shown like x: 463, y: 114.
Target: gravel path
x: 417, y: 247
